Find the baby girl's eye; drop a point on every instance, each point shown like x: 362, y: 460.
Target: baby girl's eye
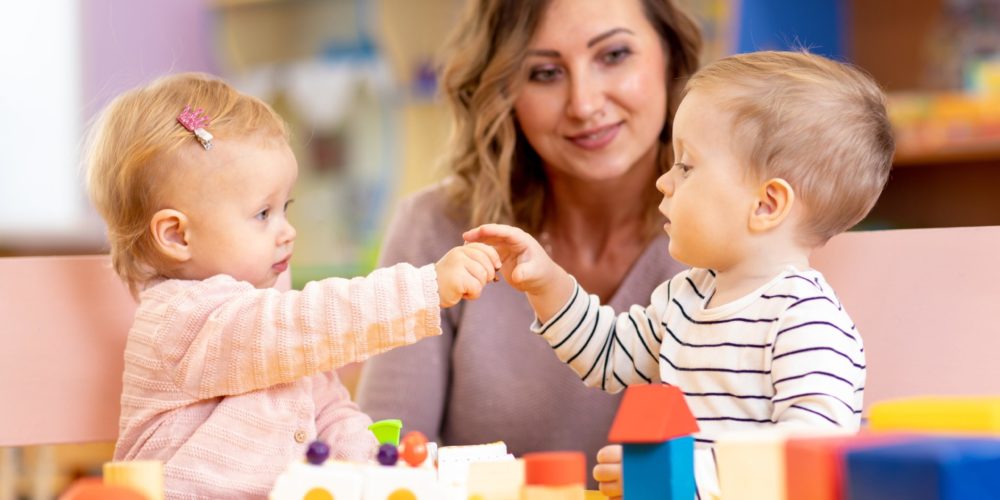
x: 262, y: 215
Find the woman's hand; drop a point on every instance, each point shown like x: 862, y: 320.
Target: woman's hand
x: 608, y: 471
x: 464, y: 271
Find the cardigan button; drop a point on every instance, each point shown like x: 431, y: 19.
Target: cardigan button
x: 300, y: 436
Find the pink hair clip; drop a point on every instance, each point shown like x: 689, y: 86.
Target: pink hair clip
x: 195, y: 122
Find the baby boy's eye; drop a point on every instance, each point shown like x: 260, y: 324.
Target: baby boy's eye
x: 262, y: 215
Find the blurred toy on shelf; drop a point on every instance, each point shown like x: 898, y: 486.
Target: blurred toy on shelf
x: 945, y: 126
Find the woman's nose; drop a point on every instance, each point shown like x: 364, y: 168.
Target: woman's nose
x: 586, y: 97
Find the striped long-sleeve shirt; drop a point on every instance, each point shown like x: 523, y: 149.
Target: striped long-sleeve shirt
x: 227, y: 384
x: 786, y: 353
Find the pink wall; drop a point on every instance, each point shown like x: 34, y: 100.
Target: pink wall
x: 128, y: 42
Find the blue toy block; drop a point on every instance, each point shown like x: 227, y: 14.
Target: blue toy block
x: 659, y: 471
x: 935, y: 468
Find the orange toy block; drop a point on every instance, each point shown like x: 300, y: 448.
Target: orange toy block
x: 815, y: 465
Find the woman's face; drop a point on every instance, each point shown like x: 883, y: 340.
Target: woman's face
x: 594, y: 98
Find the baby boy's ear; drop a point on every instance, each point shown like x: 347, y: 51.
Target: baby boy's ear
x: 773, y: 205
x: 169, y: 228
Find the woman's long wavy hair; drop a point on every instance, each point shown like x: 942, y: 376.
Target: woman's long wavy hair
x: 496, y: 175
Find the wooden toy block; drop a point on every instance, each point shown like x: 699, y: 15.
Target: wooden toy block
x: 145, y: 476
x: 814, y: 466
x: 570, y: 492
x: 932, y: 468
x: 500, y: 480
x: 964, y: 414
x: 453, y: 461
x: 751, y: 464
x: 652, y: 414
x: 659, y: 471
x: 654, y: 425
x: 554, y: 475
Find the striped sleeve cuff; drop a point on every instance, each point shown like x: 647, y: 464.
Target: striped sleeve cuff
x: 569, y: 315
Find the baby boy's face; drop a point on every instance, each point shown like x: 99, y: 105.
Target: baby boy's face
x: 707, y: 196
x: 236, y: 198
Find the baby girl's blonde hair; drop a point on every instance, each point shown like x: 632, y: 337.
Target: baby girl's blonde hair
x: 818, y: 124
x: 130, y: 154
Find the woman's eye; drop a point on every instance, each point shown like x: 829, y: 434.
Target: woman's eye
x: 544, y: 74
x: 616, y: 56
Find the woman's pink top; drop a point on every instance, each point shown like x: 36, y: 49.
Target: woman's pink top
x: 227, y: 384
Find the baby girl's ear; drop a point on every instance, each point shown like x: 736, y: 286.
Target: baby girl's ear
x: 773, y: 205
x: 169, y: 228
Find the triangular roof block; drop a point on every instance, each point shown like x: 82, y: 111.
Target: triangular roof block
x: 652, y: 414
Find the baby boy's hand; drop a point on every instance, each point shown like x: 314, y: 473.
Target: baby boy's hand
x: 464, y: 271
x: 608, y: 471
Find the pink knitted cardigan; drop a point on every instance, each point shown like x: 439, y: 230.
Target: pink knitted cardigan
x: 227, y: 384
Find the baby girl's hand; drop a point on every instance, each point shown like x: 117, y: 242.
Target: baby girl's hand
x: 608, y: 471
x: 464, y: 271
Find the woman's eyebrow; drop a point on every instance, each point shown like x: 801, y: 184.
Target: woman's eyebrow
x: 606, y: 34
x: 590, y: 43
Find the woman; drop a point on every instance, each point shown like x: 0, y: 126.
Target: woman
x: 562, y: 113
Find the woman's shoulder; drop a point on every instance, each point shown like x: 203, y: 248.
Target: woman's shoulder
x: 431, y: 206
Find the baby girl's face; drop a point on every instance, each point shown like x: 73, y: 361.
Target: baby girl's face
x: 236, y: 198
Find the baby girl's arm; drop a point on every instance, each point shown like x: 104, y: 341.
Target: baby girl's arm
x: 222, y: 337
x: 527, y: 267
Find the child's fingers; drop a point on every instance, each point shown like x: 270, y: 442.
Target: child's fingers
x: 472, y: 288
x: 486, y: 230
x: 610, y: 487
x: 491, y: 255
x: 477, y: 256
x: 481, y: 271
x: 610, y: 454
x: 496, y: 234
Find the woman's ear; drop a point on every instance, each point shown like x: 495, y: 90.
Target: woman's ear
x: 169, y: 228
x: 773, y: 204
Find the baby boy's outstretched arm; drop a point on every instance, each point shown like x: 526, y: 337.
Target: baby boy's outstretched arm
x: 464, y: 271
x: 527, y: 267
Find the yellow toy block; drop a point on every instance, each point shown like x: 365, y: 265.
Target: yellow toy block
x: 568, y: 492
x: 947, y: 414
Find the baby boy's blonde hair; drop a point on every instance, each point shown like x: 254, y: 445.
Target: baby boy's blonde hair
x: 130, y: 156
x: 818, y: 124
